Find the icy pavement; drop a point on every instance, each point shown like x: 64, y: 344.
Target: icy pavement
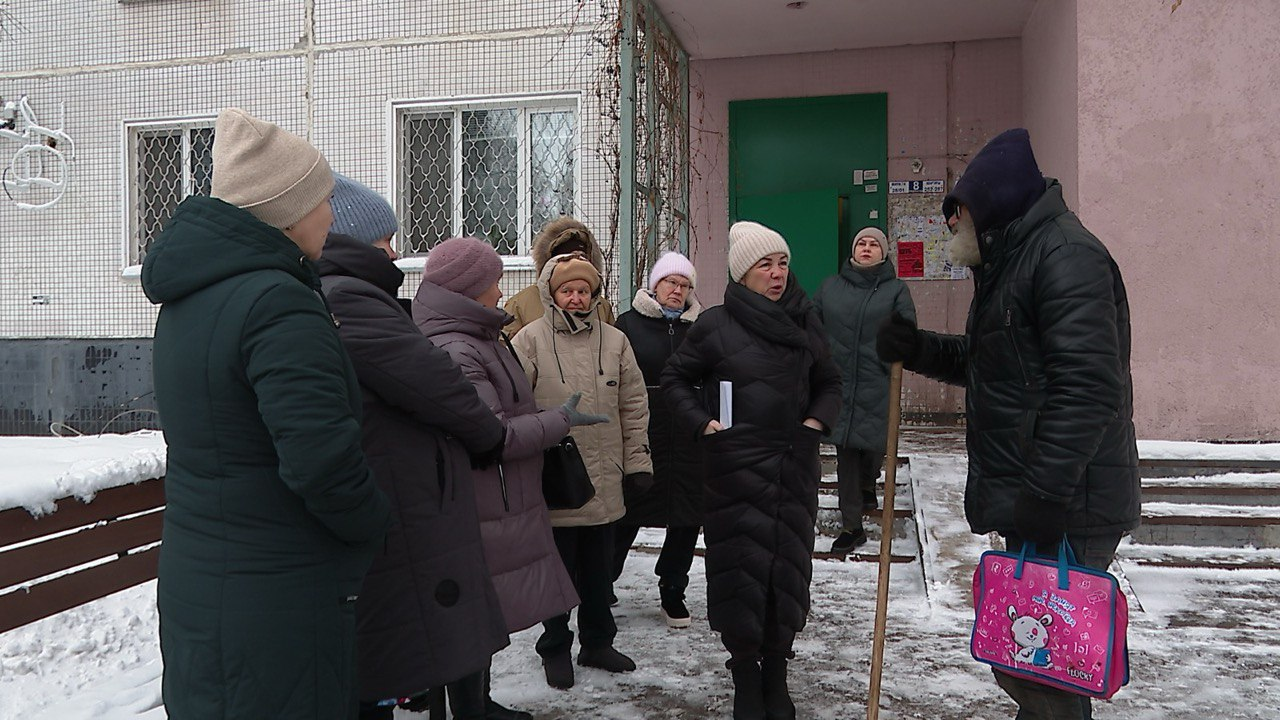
x: 1204, y: 643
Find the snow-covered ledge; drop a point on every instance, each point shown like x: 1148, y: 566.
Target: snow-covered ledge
x: 509, y: 263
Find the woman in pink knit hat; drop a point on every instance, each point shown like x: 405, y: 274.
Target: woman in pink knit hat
x: 660, y: 317
x: 457, y: 307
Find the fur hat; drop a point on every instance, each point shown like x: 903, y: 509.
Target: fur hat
x: 272, y: 173
x: 560, y: 231
x: 672, y: 263
x: 359, y: 212
x: 573, y: 267
x: 874, y: 233
x: 465, y: 265
x: 748, y: 242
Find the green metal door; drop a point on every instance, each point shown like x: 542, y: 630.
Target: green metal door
x: 809, y: 220
x: 818, y: 157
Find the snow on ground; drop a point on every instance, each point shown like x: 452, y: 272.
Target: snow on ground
x: 1177, y: 450
x: 35, y: 471
x: 1204, y: 643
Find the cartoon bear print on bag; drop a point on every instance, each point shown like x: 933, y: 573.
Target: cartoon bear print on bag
x: 1031, y: 635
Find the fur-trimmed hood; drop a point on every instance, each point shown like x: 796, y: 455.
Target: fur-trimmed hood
x: 647, y: 305
x: 562, y: 230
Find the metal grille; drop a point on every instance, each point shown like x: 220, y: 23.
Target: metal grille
x: 496, y: 172
x: 166, y: 165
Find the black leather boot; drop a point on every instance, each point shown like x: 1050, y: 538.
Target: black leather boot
x: 748, y: 696
x: 467, y: 697
x: 494, y: 711
x: 773, y: 680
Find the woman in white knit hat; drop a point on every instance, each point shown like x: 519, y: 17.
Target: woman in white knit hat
x: 272, y: 515
x: 766, y: 350
x: 658, y: 321
x: 852, y: 305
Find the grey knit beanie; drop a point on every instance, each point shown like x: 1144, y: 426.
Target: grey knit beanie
x: 359, y: 212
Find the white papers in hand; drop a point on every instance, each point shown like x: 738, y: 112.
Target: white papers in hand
x: 726, y: 404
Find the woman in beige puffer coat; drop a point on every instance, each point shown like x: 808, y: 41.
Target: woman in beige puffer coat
x: 569, y: 350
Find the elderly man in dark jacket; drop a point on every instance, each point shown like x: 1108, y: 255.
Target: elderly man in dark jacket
x: 1045, y: 360
x: 427, y: 614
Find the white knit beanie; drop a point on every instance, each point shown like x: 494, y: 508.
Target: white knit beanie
x: 672, y: 263
x: 748, y: 242
x: 272, y: 173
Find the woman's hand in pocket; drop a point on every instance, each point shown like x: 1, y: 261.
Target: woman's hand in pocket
x: 815, y: 424
x: 712, y: 428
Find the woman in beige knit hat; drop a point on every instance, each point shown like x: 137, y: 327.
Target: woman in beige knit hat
x: 764, y: 351
x: 566, y: 352
x: 273, y: 516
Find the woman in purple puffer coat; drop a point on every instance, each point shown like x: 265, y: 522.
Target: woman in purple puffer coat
x: 457, y: 307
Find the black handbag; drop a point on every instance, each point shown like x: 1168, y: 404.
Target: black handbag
x: 566, y: 485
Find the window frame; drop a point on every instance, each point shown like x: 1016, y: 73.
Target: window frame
x: 525, y: 104
x: 129, y: 176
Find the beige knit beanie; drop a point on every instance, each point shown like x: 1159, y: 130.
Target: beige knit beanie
x: 748, y: 242
x: 573, y: 267
x: 272, y: 173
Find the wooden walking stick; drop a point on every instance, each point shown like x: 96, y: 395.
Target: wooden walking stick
x: 886, y: 539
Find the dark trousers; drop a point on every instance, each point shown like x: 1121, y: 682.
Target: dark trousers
x: 1041, y: 702
x: 587, y: 553
x: 856, y: 472
x: 778, y: 639
x: 674, y: 561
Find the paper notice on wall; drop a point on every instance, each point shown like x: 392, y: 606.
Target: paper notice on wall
x: 910, y: 259
x: 726, y: 404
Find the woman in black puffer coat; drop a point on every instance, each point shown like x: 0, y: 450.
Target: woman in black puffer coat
x: 761, y: 491
x: 656, y: 324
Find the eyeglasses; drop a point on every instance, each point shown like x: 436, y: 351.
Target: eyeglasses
x: 677, y: 285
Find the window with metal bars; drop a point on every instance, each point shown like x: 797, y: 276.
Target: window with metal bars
x: 497, y: 170
x: 167, y: 162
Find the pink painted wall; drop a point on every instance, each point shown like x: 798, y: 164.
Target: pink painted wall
x: 1050, y: 91
x: 1179, y: 173
x: 945, y: 101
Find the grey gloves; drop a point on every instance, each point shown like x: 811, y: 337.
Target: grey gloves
x: 570, y: 408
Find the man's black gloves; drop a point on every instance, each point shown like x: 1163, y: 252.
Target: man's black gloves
x: 484, y: 459
x: 898, y: 339
x: 639, y: 482
x: 1039, y: 520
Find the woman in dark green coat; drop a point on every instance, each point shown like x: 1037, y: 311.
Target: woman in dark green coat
x: 852, y: 304
x: 272, y: 515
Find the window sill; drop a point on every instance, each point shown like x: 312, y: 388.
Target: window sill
x: 509, y: 263
x: 133, y: 272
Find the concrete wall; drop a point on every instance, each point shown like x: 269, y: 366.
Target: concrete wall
x: 1179, y: 169
x: 945, y: 101
x: 1050, y: 91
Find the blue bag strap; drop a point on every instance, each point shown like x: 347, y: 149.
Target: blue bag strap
x: 1066, y: 559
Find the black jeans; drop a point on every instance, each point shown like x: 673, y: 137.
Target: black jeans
x: 1041, y: 702
x: 587, y: 552
x: 674, y: 561
x: 856, y: 472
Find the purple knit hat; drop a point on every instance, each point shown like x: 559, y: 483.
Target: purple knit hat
x: 466, y: 265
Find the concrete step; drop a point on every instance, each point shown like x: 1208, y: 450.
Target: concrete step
x: 1209, y: 525
x: 1232, y: 488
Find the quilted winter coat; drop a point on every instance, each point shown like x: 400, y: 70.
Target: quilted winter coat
x: 1045, y: 362
x: 272, y: 513
x: 564, y: 353
x: 527, y: 571
x: 761, y: 492
x: 427, y: 613
x: 675, y: 500
x: 851, y: 305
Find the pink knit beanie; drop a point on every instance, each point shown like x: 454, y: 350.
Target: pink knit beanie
x: 672, y: 263
x: 467, y: 266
